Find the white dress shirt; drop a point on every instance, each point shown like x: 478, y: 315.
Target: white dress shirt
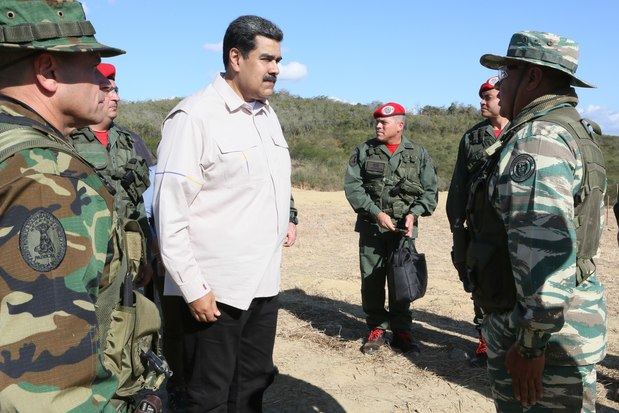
x: 222, y: 197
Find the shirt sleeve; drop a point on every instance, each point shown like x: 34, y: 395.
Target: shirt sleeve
x: 177, y: 183
x: 458, y: 191
x: 426, y: 203
x: 358, y: 198
x: 536, y: 191
x: 148, y: 194
x: 294, y: 213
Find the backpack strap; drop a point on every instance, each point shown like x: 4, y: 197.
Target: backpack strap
x: 21, y: 138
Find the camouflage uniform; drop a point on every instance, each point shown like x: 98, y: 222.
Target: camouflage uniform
x: 58, y: 241
x: 470, y: 159
x: 55, y: 232
x: 119, y: 163
x: 528, y: 253
x: 398, y: 184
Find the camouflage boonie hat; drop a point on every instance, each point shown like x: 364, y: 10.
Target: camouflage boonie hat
x: 542, y: 49
x: 52, y: 25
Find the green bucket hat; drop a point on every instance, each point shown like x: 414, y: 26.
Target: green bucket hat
x: 52, y: 25
x: 542, y: 49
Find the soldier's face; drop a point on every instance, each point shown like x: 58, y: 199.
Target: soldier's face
x: 489, y: 104
x: 388, y: 130
x: 80, y: 96
x: 257, y: 73
x: 511, y: 79
x: 110, y: 104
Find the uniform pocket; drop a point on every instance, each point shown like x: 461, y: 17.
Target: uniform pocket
x: 242, y: 161
x: 132, y: 330
x: 95, y: 153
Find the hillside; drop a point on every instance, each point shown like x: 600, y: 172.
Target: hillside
x: 322, y: 134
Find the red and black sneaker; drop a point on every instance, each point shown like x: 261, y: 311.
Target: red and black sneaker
x: 375, y: 339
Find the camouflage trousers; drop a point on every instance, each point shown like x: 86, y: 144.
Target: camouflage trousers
x: 568, y: 389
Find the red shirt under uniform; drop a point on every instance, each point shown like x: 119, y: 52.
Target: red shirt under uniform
x: 102, y: 136
x: 392, y: 147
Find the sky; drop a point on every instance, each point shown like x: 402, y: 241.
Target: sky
x: 412, y: 52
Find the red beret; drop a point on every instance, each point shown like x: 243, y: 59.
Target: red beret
x: 389, y: 109
x: 107, y: 70
x: 488, y: 84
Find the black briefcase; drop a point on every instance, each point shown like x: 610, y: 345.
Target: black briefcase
x: 408, y: 273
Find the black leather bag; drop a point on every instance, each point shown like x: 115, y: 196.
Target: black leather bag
x: 408, y: 273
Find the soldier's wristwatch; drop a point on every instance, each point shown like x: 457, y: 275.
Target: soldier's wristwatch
x: 530, y: 353
x: 293, y: 219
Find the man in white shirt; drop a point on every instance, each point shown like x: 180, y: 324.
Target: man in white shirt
x: 223, y: 211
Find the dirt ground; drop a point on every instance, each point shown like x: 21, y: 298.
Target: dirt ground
x: 321, y: 325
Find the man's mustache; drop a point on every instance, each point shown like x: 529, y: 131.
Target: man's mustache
x: 270, y: 78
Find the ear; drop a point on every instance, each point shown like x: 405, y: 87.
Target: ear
x: 235, y: 57
x: 45, y: 70
x: 534, y: 77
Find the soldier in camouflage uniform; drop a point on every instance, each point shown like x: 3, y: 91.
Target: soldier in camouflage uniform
x: 470, y: 159
x: 535, y: 215
x: 56, y: 214
x: 113, y: 151
x: 390, y: 182
x: 59, y: 240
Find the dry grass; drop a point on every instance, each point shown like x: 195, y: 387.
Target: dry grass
x: 321, y: 325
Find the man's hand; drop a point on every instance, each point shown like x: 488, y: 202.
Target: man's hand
x: 291, y: 235
x: 205, y: 309
x: 384, y: 221
x: 145, y: 274
x: 464, y: 276
x: 409, y: 222
x: 526, y: 376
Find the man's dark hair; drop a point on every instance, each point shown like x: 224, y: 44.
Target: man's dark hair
x: 241, y: 34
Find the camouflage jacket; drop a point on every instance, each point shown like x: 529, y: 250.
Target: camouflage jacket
x: 55, y: 232
x: 398, y: 184
x: 470, y: 159
x: 119, y: 163
x: 538, y: 175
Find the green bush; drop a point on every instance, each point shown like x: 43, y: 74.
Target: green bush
x: 322, y: 134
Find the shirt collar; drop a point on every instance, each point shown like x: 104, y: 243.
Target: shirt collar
x: 233, y: 101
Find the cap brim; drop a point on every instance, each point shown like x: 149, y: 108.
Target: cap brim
x: 96, y: 47
x: 103, y: 50
x: 492, y: 61
x: 581, y: 83
x: 110, y: 52
x: 495, y: 62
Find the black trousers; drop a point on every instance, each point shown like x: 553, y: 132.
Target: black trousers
x: 229, y: 363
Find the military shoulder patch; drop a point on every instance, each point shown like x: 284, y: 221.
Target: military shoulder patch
x: 522, y: 167
x: 42, y: 241
x: 354, y: 159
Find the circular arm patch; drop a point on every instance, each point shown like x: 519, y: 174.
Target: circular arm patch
x: 42, y: 241
x: 354, y: 159
x: 522, y: 167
